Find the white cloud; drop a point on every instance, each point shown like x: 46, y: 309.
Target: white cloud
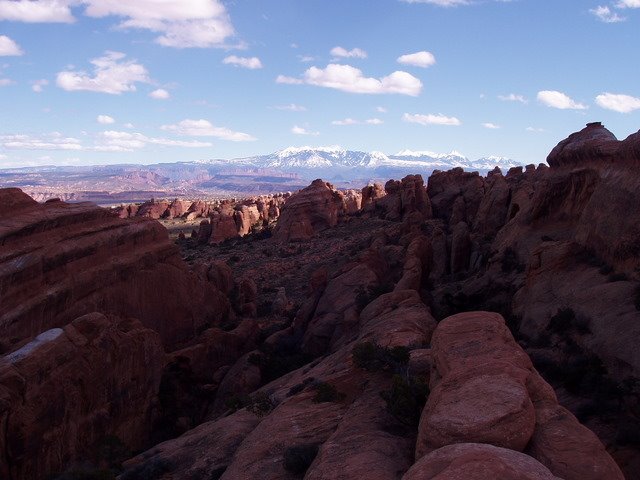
x: 5, y: 82
x: 350, y: 79
x: 381, y: 110
x: 618, y: 102
x: 180, y: 23
x: 105, y: 119
x: 628, y: 4
x: 555, y: 99
x: 116, y: 141
x: 38, y: 85
x: 107, y: 141
x: 160, y: 94
x: 204, y: 128
x: 346, y: 121
x: 422, y: 59
x: 431, y: 119
x: 340, y: 52
x: 111, y: 74
x: 288, y: 80
x: 440, y: 3
x: 50, y: 141
x: 251, y: 63
x: 306, y: 58
x: 41, y: 11
x: 128, y: 125
x: 491, y: 126
x: 296, y: 130
x: 9, y: 48
x: 534, y: 129
x: 512, y: 97
x: 605, y: 14
x: 292, y: 107
x: 351, y: 121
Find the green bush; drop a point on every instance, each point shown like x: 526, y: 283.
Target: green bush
x: 406, y: 398
x: 261, y: 404
x: 374, y: 358
x: 325, y: 392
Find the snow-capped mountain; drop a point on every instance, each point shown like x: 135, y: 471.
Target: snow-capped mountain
x: 336, y: 162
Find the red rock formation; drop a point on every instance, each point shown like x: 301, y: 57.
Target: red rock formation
x: 485, y: 390
x: 309, y: 211
x: 60, y: 261
x: 70, y: 388
x: 478, y: 460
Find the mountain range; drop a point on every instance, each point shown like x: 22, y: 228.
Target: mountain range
x: 285, y: 170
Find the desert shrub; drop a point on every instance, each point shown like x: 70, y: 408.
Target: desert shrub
x: 511, y: 262
x: 325, y: 392
x: 299, y: 387
x: 261, y: 404
x: 298, y: 458
x: 236, y: 402
x: 365, y: 296
x: 374, y: 358
x: 406, y: 398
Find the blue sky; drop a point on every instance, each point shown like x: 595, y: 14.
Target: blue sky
x: 145, y: 81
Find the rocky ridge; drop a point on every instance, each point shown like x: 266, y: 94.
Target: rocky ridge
x: 468, y: 327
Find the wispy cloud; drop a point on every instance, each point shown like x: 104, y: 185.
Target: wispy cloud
x: 160, y: 94
x: 111, y: 74
x: 9, y: 48
x: 297, y: 130
x: 606, y: 15
x: 340, y: 52
x: 351, y: 121
x: 618, y: 102
x: 292, y: 107
x: 431, y: 119
x: 555, y: 99
x: 513, y: 97
x: 43, y: 11
x: 491, y: 126
x: 422, y: 59
x: 204, y: 128
x: 350, y: 79
x: 105, y: 119
x: 252, y: 63
x: 38, y: 85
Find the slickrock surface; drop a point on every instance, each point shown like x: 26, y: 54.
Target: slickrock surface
x: 59, y: 261
x: 70, y: 387
x: 485, y: 390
